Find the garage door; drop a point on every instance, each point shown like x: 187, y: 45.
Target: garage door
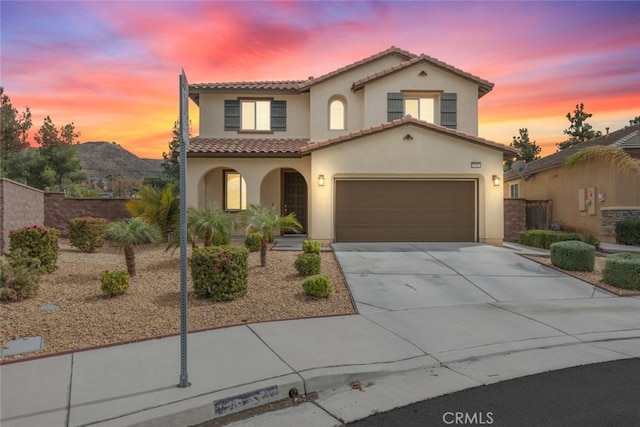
x: 405, y: 211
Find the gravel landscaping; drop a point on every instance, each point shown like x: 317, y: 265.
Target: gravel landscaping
x: 151, y: 307
x: 594, y: 277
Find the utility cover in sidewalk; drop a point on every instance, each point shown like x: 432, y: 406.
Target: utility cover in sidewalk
x: 22, y: 345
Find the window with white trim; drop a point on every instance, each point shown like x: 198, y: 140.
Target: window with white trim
x: 421, y: 108
x: 235, y: 191
x: 336, y: 115
x: 256, y: 115
x: 514, y: 190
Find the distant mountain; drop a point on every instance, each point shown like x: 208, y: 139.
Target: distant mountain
x: 103, y: 159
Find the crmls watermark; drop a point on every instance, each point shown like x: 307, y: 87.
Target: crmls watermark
x: 468, y: 418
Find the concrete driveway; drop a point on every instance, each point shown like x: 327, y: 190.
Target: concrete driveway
x: 403, y: 276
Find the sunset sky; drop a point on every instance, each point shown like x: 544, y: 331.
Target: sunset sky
x: 111, y: 67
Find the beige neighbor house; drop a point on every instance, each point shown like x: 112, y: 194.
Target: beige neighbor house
x: 588, y: 198
x: 383, y: 149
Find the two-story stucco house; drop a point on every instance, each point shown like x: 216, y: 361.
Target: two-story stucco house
x: 383, y: 149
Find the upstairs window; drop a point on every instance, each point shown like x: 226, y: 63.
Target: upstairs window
x: 336, y: 115
x: 429, y: 106
x: 256, y: 115
x: 421, y: 108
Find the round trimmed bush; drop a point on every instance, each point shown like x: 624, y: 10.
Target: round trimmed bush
x: 573, y: 255
x: 318, y: 286
x: 87, y: 233
x: 37, y: 242
x: 307, y: 264
x: 311, y: 247
x: 220, y: 272
x: 622, y: 271
x: 114, y: 282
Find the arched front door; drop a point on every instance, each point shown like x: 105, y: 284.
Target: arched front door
x: 295, y: 197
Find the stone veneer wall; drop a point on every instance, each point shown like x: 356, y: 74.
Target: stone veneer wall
x: 614, y: 214
x: 515, y: 218
x: 58, y: 210
x: 20, y: 206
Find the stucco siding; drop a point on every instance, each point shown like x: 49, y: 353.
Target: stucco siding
x: 212, y: 116
x: 562, y: 185
x: 428, y: 155
x: 437, y: 80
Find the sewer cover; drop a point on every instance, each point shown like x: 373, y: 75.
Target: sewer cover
x: 50, y: 307
x: 22, y: 345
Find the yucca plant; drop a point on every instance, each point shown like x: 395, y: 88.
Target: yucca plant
x: 126, y: 234
x: 266, y: 221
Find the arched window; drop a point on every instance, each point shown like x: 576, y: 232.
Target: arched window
x: 336, y: 114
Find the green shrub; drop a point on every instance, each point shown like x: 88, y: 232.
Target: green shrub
x: 592, y: 240
x: 545, y: 238
x: 114, y: 282
x: 220, y: 272
x: 311, y: 247
x: 318, y: 286
x: 308, y: 264
x: 87, y: 233
x: 37, y: 242
x: 573, y: 255
x: 622, y: 271
x: 252, y: 241
x: 19, y: 276
x: 628, y: 231
x: 220, y: 239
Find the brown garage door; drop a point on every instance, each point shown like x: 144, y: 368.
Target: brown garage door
x: 405, y: 211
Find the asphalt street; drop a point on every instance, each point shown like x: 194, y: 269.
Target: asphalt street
x: 596, y: 395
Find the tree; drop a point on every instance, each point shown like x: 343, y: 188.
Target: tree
x: 209, y: 222
x: 634, y: 121
x: 579, y: 130
x: 14, y: 128
x: 266, y: 221
x: 529, y: 150
x: 30, y: 168
x: 170, y: 163
x: 161, y: 208
x: 57, y: 148
x: 127, y: 234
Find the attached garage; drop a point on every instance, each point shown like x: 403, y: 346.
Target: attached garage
x: 373, y: 210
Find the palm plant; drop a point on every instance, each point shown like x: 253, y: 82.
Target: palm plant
x: 127, y: 234
x: 209, y: 223
x: 266, y: 221
x: 161, y: 208
x: 618, y: 157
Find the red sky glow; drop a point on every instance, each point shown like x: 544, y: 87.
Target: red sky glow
x: 111, y: 67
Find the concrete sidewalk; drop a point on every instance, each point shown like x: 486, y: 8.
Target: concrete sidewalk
x: 435, y: 318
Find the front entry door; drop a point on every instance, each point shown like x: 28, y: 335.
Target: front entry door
x: 295, y: 197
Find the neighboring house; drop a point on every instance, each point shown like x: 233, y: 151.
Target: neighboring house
x: 383, y: 149
x: 588, y: 198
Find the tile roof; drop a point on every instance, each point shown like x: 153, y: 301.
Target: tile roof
x: 484, y: 86
x: 508, y: 152
x: 301, y: 86
x: 251, y: 147
x: 626, y: 138
x: 391, y: 51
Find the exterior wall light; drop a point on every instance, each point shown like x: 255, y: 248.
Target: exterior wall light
x: 321, y: 180
x: 496, y: 180
x: 408, y: 137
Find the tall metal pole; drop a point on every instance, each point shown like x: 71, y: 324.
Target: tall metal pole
x: 184, y: 145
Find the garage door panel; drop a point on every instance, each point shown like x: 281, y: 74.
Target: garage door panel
x: 388, y: 210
